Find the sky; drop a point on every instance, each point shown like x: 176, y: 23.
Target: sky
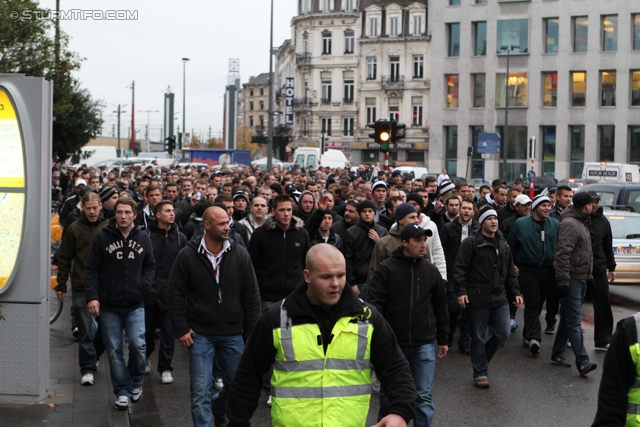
x: 149, y: 51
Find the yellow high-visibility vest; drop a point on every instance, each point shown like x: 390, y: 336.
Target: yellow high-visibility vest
x: 633, y: 397
x: 310, y: 388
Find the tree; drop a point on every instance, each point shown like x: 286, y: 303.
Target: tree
x: 213, y: 143
x: 243, y: 139
x: 27, y: 46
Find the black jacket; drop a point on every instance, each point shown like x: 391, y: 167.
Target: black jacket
x: 334, y: 239
x: 197, y: 301
x: 602, y: 243
x: 556, y: 211
x: 340, y: 228
x: 189, y: 229
x: 411, y: 295
x: 145, y: 218
x: 259, y: 354
x: 451, y: 238
x: 166, y: 246
x: 618, y: 376
x: 505, y: 226
x: 279, y: 257
x: 358, y: 248
x: 505, y: 213
x: 386, y: 221
x: 488, y: 280
x: 119, y: 271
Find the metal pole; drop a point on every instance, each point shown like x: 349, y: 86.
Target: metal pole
x: 270, y: 134
x: 386, y: 161
x: 132, y: 144
x: 184, y: 92
x: 506, y: 119
x: 322, y: 145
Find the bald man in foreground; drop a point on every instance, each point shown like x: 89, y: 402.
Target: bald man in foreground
x: 323, y: 341
x: 213, y: 302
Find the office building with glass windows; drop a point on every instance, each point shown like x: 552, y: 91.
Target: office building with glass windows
x: 573, y: 84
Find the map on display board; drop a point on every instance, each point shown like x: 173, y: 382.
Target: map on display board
x: 12, y: 185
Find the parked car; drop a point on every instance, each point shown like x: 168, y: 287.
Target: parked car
x: 415, y: 171
x: 625, y: 228
x: 540, y: 183
x: 576, y: 183
x: 617, y: 195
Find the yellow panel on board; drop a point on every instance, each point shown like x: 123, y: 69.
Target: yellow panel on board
x: 11, y: 149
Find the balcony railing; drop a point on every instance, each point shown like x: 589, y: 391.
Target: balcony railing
x: 347, y: 101
x: 301, y: 103
x: 325, y: 101
x: 303, y: 58
x: 393, y: 82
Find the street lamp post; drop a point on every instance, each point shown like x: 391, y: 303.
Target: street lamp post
x: 270, y: 124
x: 506, y: 110
x: 184, y: 94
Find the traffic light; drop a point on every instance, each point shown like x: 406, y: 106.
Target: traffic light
x: 170, y: 145
x: 397, y: 131
x: 382, y: 133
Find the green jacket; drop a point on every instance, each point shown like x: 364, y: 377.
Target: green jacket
x: 75, y: 246
x: 530, y: 250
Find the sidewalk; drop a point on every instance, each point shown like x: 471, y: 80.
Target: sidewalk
x: 75, y: 405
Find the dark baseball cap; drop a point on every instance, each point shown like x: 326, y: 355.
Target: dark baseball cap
x: 415, y: 231
x: 582, y: 199
x: 594, y: 194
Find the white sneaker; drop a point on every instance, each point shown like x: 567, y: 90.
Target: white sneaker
x: 87, y: 379
x: 167, y: 378
x: 269, y: 401
x: 147, y: 367
x: 136, y: 394
x: 218, y: 384
x: 122, y: 403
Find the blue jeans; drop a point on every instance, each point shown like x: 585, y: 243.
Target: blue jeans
x: 227, y: 349
x: 570, y: 326
x: 482, y: 350
x: 422, y: 362
x: 124, y: 378
x: 90, y: 346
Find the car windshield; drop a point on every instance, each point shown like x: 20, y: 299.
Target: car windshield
x: 606, y: 198
x: 633, y: 200
x: 623, y: 226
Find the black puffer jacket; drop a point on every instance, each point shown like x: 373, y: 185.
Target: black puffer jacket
x: 166, y: 246
x: 451, y: 238
x: 602, y: 243
x: 279, y: 257
x: 358, y: 248
x: 488, y: 284
x: 411, y: 295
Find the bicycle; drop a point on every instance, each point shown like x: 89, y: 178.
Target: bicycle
x: 55, y: 305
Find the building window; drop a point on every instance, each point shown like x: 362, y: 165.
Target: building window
x: 326, y: 43
x: 416, y: 119
x: 261, y: 121
x: 481, y: 1
x: 514, y: 34
x: 325, y: 5
x: 576, y: 151
x: 372, y: 68
x: 516, y: 91
x: 517, y: 143
x: 251, y: 121
x: 635, y: 88
x: 349, y: 41
x: 453, y: 32
x: 261, y: 91
x: 305, y: 42
x: 394, y: 112
x: 634, y: 144
x: 606, y: 140
x: 452, y: 90
x: 549, y: 89
x: 578, y: 88
x: 326, y: 91
x: 480, y: 38
x: 371, y: 113
x: 609, y: 33
x: 373, y: 27
x: 478, y: 89
x: 305, y: 126
x: 251, y: 92
x: 348, y: 90
x: 608, y: 88
x: 393, y: 26
x: 418, y: 66
x: 454, y: 2
x: 451, y: 149
x: 551, y: 36
x: 476, y: 162
x: 347, y: 126
x: 394, y: 68
x: 548, y: 151
x: 326, y: 126
x: 349, y: 5
x: 262, y: 105
x: 636, y: 31
x: 417, y: 25
x: 580, y: 33
x: 251, y: 105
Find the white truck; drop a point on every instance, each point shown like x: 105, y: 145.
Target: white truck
x: 310, y: 156
x: 611, y: 172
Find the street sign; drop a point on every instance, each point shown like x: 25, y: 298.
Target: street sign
x: 343, y: 145
x: 488, y: 143
x: 531, y: 174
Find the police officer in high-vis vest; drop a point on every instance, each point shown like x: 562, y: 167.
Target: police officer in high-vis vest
x: 619, y: 395
x: 323, y: 342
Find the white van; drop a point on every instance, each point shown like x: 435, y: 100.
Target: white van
x: 310, y: 156
x: 96, y: 154
x: 611, y: 172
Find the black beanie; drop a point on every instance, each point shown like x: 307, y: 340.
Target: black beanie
x: 366, y: 204
x: 416, y: 198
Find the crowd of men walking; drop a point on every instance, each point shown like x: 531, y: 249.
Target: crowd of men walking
x: 318, y: 285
